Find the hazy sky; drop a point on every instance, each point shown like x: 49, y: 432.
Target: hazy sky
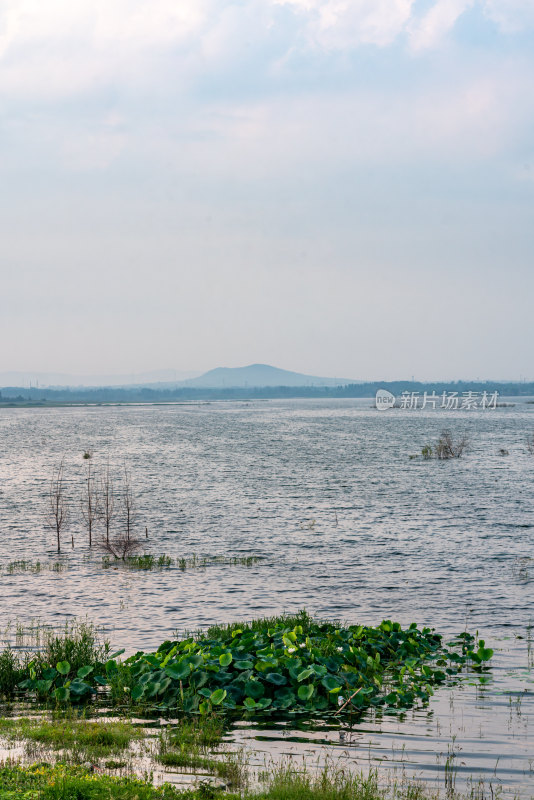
x: 339, y: 187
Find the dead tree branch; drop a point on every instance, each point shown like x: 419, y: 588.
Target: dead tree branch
x: 58, y: 510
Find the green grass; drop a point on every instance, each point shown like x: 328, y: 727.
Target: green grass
x: 79, y: 644
x: 228, y: 561
x: 12, y: 672
x: 332, y: 783
x: 148, y: 561
x: 188, y: 745
x: 90, y: 738
x: 194, y: 732
x: 227, y: 768
x: 34, y: 567
x: 262, y: 625
x: 187, y: 760
x: 60, y: 782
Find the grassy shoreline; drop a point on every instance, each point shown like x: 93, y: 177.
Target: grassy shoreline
x: 62, y: 782
x: 290, y: 666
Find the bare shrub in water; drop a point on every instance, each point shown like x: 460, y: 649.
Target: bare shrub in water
x: 90, y: 502
x: 58, y: 510
x: 107, y: 501
x: 447, y: 447
x: 128, y: 502
x: 120, y: 546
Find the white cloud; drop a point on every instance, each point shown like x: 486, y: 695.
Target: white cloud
x: 510, y: 15
x: 342, y: 24
x: 136, y: 22
x: 61, y: 48
x: 429, y: 30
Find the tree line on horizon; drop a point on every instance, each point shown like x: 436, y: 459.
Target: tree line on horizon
x: 38, y: 396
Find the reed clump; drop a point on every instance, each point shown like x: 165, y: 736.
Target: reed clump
x: 13, y: 670
x: 14, y: 567
x: 79, y: 645
x: 190, y: 746
x: 147, y: 561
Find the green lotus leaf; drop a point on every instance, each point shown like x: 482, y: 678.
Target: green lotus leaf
x: 284, y: 698
x: 137, y: 692
x: 177, y: 671
x: 149, y: 659
x: 218, y: 696
x: 199, y: 679
x: 254, y: 689
x: 277, y: 678
x: 295, y: 669
x: 62, y: 694
x: 79, y: 687
x: 63, y: 667
x: 43, y: 687
x: 152, y: 689
x: 331, y: 684
x: 306, y: 691
x: 191, y: 704
x: 83, y: 672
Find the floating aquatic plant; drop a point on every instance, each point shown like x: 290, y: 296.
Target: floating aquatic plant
x: 293, y: 664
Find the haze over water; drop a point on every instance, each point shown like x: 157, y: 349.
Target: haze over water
x: 347, y: 524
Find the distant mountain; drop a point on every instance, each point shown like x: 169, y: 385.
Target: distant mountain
x: 255, y: 375
x: 259, y: 375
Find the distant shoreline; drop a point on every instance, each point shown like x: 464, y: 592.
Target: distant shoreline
x: 141, y: 402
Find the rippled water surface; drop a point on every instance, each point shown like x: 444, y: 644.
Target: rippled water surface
x: 348, y: 526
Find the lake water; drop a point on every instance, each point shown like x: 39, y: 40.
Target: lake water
x: 347, y: 525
